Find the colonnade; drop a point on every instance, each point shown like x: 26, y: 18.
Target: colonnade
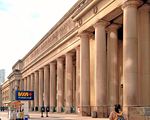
x: 53, y: 83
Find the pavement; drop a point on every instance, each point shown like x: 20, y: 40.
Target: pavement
x: 54, y: 116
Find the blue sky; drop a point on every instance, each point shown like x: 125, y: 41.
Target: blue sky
x: 23, y: 23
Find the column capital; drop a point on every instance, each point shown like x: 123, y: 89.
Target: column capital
x: 60, y: 59
x: 70, y: 53
x: 41, y: 69
x: 77, y: 48
x: 52, y: 63
x: 145, y: 7
x: 132, y: 3
x: 36, y: 71
x: 85, y: 34
x: 113, y: 27
x: 32, y: 74
x: 101, y: 23
x: 28, y: 76
x: 46, y: 66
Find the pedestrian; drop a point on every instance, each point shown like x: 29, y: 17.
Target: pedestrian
x: 18, y: 115
x: 11, y: 115
x: 117, y: 114
x: 22, y: 114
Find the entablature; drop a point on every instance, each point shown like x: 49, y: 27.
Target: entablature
x: 18, y: 65
x: 62, y: 32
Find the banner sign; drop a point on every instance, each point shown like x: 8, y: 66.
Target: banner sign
x: 24, y: 95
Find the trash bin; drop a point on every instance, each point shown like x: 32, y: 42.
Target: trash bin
x: 26, y: 118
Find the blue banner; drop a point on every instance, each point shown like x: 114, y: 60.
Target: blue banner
x: 24, y: 95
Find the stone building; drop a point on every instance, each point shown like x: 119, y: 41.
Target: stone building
x: 0, y: 96
x: 97, y: 55
x: 5, y: 93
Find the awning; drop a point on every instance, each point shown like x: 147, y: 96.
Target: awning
x: 15, y: 104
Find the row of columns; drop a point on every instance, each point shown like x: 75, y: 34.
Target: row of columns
x: 53, y: 84
x: 144, y: 54
x: 100, y: 69
x: 130, y: 62
x: 130, y: 69
x: 13, y: 87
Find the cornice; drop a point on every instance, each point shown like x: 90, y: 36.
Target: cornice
x: 14, y: 73
x: 52, y: 48
x: 84, y: 7
x: 5, y: 84
x: 19, y: 61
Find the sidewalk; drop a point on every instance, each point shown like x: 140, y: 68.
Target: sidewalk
x: 4, y: 115
x: 54, y: 116
x: 61, y: 116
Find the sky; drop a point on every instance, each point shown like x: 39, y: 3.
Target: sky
x: 23, y: 23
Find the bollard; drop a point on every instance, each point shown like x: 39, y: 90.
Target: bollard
x: 26, y: 118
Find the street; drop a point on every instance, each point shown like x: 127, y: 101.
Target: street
x: 54, y: 116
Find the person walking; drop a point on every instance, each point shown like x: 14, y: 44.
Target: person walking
x: 17, y: 115
x: 117, y: 114
x: 22, y: 114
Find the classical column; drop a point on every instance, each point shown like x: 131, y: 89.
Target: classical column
x: 28, y: 82
x: 108, y: 66
x: 85, y: 75
x: 77, y: 78
x: 14, y: 89
x: 46, y: 86
x: 69, y: 82
x: 20, y: 84
x: 113, y: 83
x: 25, y: 83
x: 28, y: 88
x: 130, y: 55
x: 16, y: 84
x: 100, y: 69
x: 41, y: 87
x: 36, y: 90
x: 52, y: 86
x: 74, y: 87
x: 10, y: 93
x: 144, y: 48
x: 32, y: 89
x: 60, y: 84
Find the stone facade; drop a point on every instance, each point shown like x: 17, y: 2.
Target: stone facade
x: 97, y: 55
x: 0, y: 96
x: 5, y: 93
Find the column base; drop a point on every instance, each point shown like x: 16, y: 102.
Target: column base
x: 110, y: 109
x: 60, y: 109
x: 85, y: 111
x: 77, y: 110
x: 102, y: 112
x: 32, y: 109
x: 36, y: 108
x: 68, y: 110
x: 137, y: 113
x: 52, y: 109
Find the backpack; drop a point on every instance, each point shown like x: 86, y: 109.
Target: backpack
x: 119, y: 116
